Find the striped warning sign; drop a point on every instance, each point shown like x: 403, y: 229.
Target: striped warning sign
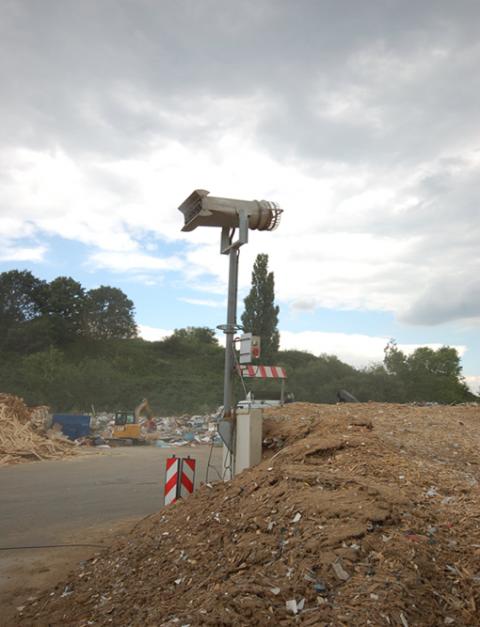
x: 171, y: 480
x: 187, y: 476
x: 263, y: 372
x: 179, y: 478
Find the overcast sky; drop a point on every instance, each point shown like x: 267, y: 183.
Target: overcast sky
x: 361, y: 119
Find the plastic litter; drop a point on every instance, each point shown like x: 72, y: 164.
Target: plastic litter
x: 291, y: 606
x: 339, y: 571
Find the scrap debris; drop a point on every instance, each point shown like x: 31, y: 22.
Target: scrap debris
x: 168, y: 431
x: 24, y: 433
x: 373, y: 545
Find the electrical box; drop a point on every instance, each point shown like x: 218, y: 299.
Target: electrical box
x: 249, y: 348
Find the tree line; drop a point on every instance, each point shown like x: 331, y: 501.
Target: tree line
x: 36, y: 314
x: 75, y: 349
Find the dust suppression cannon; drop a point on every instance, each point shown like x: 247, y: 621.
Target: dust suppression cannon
x: 230, y: 214
x: 200, y: 209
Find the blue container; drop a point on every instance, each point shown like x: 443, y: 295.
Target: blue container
x: 73, y: 425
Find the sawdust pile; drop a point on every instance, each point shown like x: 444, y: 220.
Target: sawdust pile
x: 358, y: 515
x: 22, y: 437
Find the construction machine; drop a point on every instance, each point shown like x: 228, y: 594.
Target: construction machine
x: 127, y: 424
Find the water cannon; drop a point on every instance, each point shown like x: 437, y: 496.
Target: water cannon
x: 230, y: 214
x: 200, y: 209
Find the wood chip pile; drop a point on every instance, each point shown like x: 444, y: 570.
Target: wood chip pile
x: 21, y: 436
x: 358, y: 515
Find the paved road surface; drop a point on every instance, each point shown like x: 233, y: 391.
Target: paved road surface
x: 88, y: 498
x: 40, y: 501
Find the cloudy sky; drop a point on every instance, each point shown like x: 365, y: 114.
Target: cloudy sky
x: 361, y: 119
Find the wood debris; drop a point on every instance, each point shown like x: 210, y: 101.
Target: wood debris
x: 22, y: 435
x: 411, y: 559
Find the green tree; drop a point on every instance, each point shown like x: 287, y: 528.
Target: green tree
x: 197, y: 335
x: 182, y: 342
x: 395, y: 360
x: 109, y: 314
x: 30, y: 336
x: 427, y: 374
x: 49, y: 378
x: 260, y: 316
x: 65, y: 307
x: 22, y: 298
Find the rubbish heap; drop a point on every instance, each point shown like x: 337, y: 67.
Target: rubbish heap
x: 171, y: 430
x: 365, y: 514
x: 186, y: 430
x: 25, y: 433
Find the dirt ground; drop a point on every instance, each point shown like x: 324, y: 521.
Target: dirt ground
x: 362, y: 514
x: 27, y: 573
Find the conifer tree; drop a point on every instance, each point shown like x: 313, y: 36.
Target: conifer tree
x: 261, y: 314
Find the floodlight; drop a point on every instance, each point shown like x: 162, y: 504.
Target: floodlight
x: 200, y: 209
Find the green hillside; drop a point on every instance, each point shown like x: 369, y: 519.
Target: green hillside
x: 73, y: 349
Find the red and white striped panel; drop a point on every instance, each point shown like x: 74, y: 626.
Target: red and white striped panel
x: 188, y: 476
x: 264, y: 372
x: 171, y: 480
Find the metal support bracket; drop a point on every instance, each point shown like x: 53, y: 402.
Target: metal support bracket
x: 226, y: 243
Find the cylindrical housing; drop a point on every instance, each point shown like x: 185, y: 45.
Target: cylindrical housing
x: 199, y: 209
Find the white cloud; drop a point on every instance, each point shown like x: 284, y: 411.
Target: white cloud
x: 56, y: 194
x: 21, y: 253
x: 355, y: 349
x: 473, y: 382
x: 344, y: 240
x: 153, y: 334
x: 203, y: 303
x: 133, y: 261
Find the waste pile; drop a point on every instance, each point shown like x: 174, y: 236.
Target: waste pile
x: 170, y: 430
x: 186, y: 430
x: 25, y: 433
x: 362, y: 514
x: 102, y: 422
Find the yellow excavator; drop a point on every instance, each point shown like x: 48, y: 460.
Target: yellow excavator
x: 127, y: 424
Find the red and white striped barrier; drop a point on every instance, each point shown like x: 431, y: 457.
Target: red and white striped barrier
x: 171, y: 479
x: 179, y: 478
x: 187, y: 476
x: 263, y: 372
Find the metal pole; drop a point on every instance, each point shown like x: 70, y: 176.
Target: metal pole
x: 230, y: 331
x: 228, y: 246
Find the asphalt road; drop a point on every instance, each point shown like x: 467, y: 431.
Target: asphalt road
x: 86, y: 499
x: 41, y: 502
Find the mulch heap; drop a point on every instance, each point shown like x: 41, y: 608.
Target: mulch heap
x: 359, y: 515
x: 22, y: 434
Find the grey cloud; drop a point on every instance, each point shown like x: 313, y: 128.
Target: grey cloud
x: 448, y: 225
x: 70, y: 62
x: 441, y: 231
x: 446, y: 300
x: 447, y: 206
x: 304, y: 304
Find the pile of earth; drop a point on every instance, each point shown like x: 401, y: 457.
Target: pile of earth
x: 362, y: 514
